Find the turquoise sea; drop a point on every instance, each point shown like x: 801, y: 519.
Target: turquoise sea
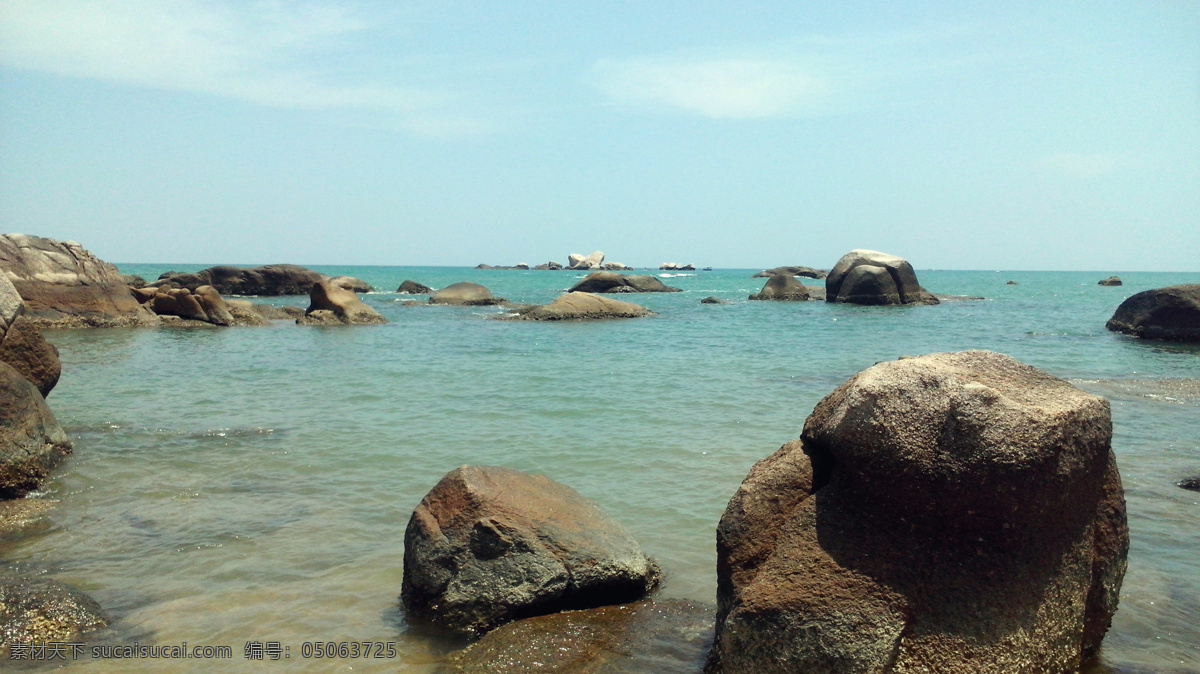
x: 253, y: 484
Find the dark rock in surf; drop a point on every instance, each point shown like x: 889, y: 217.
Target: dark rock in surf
x: 490, y: 545
x: 871, y: 277
x: 1110, y: 281
x: 713, y: 300
x: 782, y: 288
x: 267, y: 280
x: 937, y: 513
x: 1171, y: 314
x: 807, y: 272
x: 413, y: 288
x: 1191, y: 483
x: 611, y: 282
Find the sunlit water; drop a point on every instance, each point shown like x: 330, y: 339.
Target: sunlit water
x: 253, y: 484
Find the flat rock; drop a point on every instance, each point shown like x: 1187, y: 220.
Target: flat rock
x: 1171, y: 313
x: 490, y: 545
x: 611, y: 282
x: 582, y: 306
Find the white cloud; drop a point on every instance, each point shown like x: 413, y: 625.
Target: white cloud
x: 258, y: 52
x: 729, y: 88
x: 1080, y: 165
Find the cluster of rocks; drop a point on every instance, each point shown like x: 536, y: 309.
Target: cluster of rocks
x: 871, y: 277
x: 936, y: 513
x: 675, y: 266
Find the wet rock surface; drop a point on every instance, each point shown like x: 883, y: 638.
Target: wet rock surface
x: 937, y: 512
x: 582, y: 306
x: 40, y: 610
x: 413, y: 288
x: 670, y: 636
x: 1171, y: 314
x: 490, y: 545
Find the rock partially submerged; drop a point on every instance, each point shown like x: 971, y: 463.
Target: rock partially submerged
x: 953, y: 512
x: 269, y: 280
x: 331, y: 304
x: 24, y: 348
x: 413, y: 288
x: 490, y: 545
x: 713, y: 300
x: 610, y: 282
x: 871, y: 277
x: 31, y: 441
x: 465, y: 293
x: 1110, y: 281
x: 593, y: 261
x: 663, y: 637
x: 582, y: 306
x: 354, y: 285
x: 549, y: 266
x: 782, y: 288
x: 65, y: 286
x: 807, y: 272
x: 40, y: 611
x: 1171, y: 313
x: 1190, y: 483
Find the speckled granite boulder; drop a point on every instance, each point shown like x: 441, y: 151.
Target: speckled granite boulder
x: 490, y: 545
x: 955, y: 512
x: 40, y: 610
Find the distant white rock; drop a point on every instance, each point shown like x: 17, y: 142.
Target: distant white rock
x: 593, y: 261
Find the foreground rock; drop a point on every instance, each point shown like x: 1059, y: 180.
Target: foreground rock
x: 465, y: 293
x: 649, y: 636
x: 807, y: 272
x: 871, y: 277
x: 331, y: 304
x: 782, y: 288
x: 413, y: 288
x: 582, y: 306
x: 40, y: 610
x: 24, y: 348
x: 954, y: 512
x: 1110, y: 281
x: 610, y: 282
x: 1171, y: 313
x: 490, y: 545
x: 593, y: 261
x: 31, y: 441
x: 65, y: 286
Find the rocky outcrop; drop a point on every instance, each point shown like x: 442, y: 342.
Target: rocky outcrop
x: 490, y: 545
x: 31, y: 441
x: 616, y: 266
x: 65, y: 286
x: 270, y: 280
x: 668, y: 637
x: 1110, y: 281
x: 414, y: 288
x: 465, y: 293
x: 549, y: 266
x: 610, y: 282
x: 593, y: 261
x: 204, y: 304
x: 330, y: 304
x: 582, y: 306
x: 27, y: 351
x: 352, y: 284
x: 1171, y: 313
x: 871, y: 277
x: 782, y: 288
x: 40, y: 611
x: 953, y: 512
x: 807, y: 272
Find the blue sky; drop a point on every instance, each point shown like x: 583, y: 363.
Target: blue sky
x: 964, y: 135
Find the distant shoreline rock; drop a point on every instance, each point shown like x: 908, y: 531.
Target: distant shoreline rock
x: 807, y: 272
x: 1171, y: 314
x: 1110, y: 281
x: 611, y: 282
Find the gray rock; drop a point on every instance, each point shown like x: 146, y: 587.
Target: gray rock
x: 713, y: 300
x: 465, y: 293
x: 871, y: 277
x: 593, y: 261
x: 782, y: 288
x: 65, y: 286
x: 490, y: 545
x: 807, y: 272
x: 1110, y: 281
x: 610, y: 282
x: 1171, y: 313
x: 953, y: 512
x: 582, y: 306
x: 414, y: 288
x: 31, y: 441
x: 1192, y: 483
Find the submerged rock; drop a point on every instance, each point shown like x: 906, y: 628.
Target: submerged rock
x: 582, y: 306
x: 937, y: 513
x: 713, y: 300
x: 871, y: 277
x: 1110, y: 281
x: 782, y: 288
x: 413, y: 288
x: 330, y: 304
x: 40, y: 610
x: 490, y: 545
x: 465, y: 293
x: 1171, y: 313
x: 610, y: 282
x: 1191, y: 483
x: 65, y: 286
x: 648, y: 636
x: 31, y: 441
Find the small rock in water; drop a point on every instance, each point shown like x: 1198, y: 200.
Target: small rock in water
x: 1192, y: 483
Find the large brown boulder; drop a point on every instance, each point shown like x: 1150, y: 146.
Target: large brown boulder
x: 1171, y: 313
x: 31, y: 441
x: 465, y: 293
x: 65, y: 286
x: 489, y: 545
x: 610, y: 282
x: 583, y: 306
x: 41, y: 611
x: 202, y: 304
x: 27, y: 351
x: 871, y: 277
x: 954, y: 512
x: 329, y: 303
x: 782, y: 288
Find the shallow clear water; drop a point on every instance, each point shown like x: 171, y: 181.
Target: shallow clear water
x: 253, y: 484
